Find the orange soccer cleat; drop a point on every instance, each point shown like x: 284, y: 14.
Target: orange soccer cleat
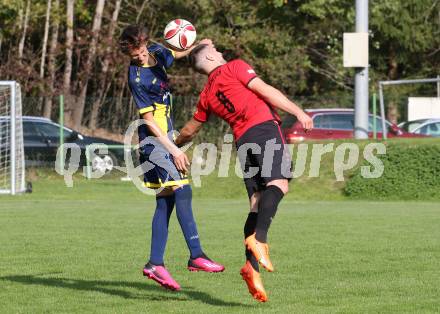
x: 254, y: 283
x: 260, y: 251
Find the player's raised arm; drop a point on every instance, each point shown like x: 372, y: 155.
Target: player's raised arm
x: 191, y: 128
x: 277, y: 99
x: 183, y: 53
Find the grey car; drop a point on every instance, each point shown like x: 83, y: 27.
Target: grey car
x: 41, y: 139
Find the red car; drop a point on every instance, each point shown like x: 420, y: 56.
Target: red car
x: 336, y: 124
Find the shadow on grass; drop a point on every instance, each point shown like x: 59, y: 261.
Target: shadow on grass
x: 114, y: 288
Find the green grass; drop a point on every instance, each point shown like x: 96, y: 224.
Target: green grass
x: 81, y: 250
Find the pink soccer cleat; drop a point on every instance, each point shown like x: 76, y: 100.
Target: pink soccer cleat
x: 160, y: 275
x: 204, y: 263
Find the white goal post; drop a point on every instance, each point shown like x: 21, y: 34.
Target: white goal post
x: 12, y: 167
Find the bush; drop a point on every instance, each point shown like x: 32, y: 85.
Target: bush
x: 410, y: 173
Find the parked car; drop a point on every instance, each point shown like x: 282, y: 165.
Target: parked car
x: 410, y: 126
x: 430, y: 128
x: 336, y: 124
x: 41, y: 138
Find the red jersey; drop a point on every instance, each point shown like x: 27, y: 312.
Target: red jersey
x: 226, y: 94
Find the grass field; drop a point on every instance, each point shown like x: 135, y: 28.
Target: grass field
x: 82, y: 249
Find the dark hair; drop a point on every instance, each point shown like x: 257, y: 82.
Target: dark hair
x: 193, y: 57
x: 132, y: 37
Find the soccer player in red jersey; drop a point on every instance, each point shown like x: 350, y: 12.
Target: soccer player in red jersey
x: 236, y: 94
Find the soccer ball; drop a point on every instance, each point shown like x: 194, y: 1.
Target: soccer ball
x: 180, y: 34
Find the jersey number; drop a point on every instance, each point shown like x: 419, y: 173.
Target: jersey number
x: 225, y: 101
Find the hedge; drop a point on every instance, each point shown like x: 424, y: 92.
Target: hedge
x: 410, y: 173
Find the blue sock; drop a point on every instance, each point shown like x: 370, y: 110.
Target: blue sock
x: 184, y: 214
x: 159, y: 228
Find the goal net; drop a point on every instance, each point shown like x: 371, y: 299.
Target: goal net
x: 12, y: 179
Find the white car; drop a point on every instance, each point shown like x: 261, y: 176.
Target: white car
x: 430, y: 128
x: 410, y: 126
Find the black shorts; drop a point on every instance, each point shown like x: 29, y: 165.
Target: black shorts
x: 263, y: 155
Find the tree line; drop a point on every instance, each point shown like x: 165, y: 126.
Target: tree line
x: 69, y: 47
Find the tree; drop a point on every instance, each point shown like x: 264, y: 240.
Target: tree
x: 45, y: 37
x: 52, y: 64
x: 294, y: 45
x: 68, y: 61
x: 25, y: 26
x: 102, y: 90
x: 406, y: 37
x: 90, y: 58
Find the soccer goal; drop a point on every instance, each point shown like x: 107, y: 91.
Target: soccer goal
x: 12, y: 169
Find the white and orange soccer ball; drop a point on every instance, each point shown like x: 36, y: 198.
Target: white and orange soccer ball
x: 180, y: 34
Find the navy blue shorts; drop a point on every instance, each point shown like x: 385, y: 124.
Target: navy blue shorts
x: 159, y: 168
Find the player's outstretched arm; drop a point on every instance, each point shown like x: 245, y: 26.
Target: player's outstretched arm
x: 178, y: 54
x: 191, y: 128
x: 180, y: 158
x: 184, y: 53
x: 277, y: 99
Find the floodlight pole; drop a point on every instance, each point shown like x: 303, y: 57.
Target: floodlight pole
x: 361, y: 78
